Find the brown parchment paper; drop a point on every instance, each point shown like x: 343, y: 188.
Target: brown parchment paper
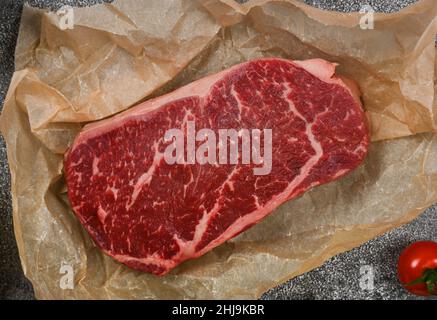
x: 121, y: 53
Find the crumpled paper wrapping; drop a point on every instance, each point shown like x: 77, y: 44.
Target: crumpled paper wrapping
x: 121, y: 53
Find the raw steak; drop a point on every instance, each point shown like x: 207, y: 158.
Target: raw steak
x: 151, y: 215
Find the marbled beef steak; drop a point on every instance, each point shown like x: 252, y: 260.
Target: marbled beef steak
x: 152, y: 215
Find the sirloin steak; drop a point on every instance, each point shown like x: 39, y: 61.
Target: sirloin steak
x: 151, y: 215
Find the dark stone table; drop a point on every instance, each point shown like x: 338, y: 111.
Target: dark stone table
x: 338, y: 278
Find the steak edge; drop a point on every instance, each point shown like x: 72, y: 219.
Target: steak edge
x: 151, y: 215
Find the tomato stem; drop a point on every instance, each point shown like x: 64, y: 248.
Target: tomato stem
x: 429, y: 278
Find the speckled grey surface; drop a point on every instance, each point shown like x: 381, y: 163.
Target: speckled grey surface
x: 338, y: 278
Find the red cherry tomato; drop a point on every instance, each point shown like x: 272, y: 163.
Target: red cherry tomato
x: 417, y: 268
